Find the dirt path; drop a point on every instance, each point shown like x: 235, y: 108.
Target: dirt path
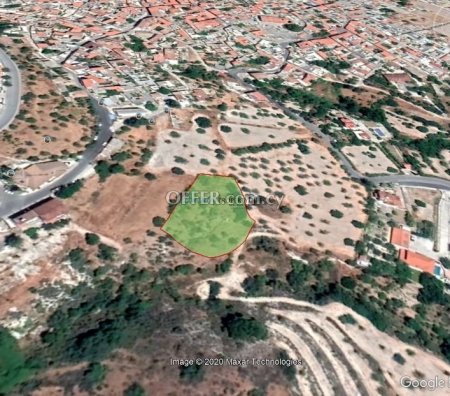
x: 338, y: 358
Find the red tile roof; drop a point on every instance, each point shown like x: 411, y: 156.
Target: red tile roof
x: 51, y: 210
x: 400, y: 237
x: 417, y: 260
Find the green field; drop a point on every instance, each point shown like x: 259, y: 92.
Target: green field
x: 211, y: 228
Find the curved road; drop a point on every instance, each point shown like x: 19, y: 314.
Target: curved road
x: 10, y: 204
x: 10, y: 107
x: 402, y: 180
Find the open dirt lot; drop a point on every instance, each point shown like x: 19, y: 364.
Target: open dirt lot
x: 49, y: 123
x: 368, y: 161
x: 307, y: 220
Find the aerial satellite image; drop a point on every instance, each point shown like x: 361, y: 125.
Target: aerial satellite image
x: 237, y: 198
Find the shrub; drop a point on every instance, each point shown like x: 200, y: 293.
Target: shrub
x: 336, y: 213
x: 398, y: 358
x: 69, y: 190
x: 149, y: 176
x: 106, y: 252
x: 293, y: 27
x: 347, y: 319
x: 32, y: 232
x: 177, y: 171
x: 225, y: 128
x: 91, y: 239
x: 300, y: 190
x: 158, y: 221
x: 203, y: 122
x: 13, y: 240
x: 243, y: 328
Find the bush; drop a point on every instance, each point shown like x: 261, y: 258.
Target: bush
x: 347, y: 319
x: 193, y: 373
x: 91, y: 239
x: 300, y: 190
x: 32, y: 232
x: 134, y: 390
x: 106, y: 252
x: 177, y: 171
x: 223, y: 107
x: 13, y: 240
x: 336, y: 213
x: 94, y: 375
x: 69, y: 190
x: 158, y: 221
x: 149, y: 176
x: 225, y: 128
x: 203, y: 122
x: 293, y: 27
x: 399, y: 358
x: 243, y: 328
x: 420, y: 203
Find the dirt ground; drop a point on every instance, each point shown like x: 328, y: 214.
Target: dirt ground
x: 48, y: 123
x: 368, y: 161
x: 335, y: 355
x: 307, y: 221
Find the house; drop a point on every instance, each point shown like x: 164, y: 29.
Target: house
x: 419, y: 261
x: 388, y: 198
x: 51, y: 211
x: 400, y: 237
x: 45, y: 212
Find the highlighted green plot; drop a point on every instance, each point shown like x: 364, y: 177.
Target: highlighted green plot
x: 212, y: 219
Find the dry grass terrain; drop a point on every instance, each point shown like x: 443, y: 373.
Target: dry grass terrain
x: 49, y: 122
x: 368, y: 160
x: 338, y: 358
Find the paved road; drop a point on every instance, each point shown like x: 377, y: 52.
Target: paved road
x: 402, y: 180
x: 10, y: 204
x: 10, y: 108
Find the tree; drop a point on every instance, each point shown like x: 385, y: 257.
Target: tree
x: 106, y: 252
x: 222, y: 107
x: 32, y: 232
x: 149, y: 176
x: 69, y: 190
x: 403, y: 273
x: 13, y: 240
x: 158, y: 221
x: 300, y: 190
x: 432, y: 291
x: 336, y: 213
x: 293, y: 27
x: 94, y: 375
x: 14, y: 368
x: 134, y: 390
x: 243, y: 328
x: 91, y: 239
x: 203, y: 122
x: 172, y: 103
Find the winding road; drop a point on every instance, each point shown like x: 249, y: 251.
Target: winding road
x: 10, y: 107
x: 13, y: 203
x: 402, y: 180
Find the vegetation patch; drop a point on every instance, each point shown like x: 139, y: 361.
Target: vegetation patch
x: 211, y: 218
